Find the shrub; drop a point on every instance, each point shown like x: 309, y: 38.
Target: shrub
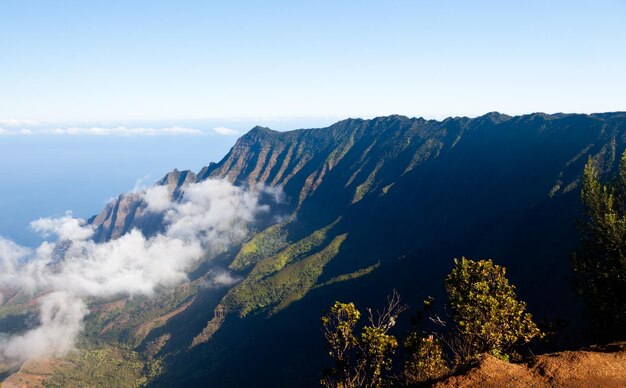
x: 425, y: 360
x: 365, y: 360
x: 600, y: 261
x: 485, y: 308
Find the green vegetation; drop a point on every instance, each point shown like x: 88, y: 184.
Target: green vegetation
x: 262, y: 245
x: 17, y: 304
x: 365, y: 187
x: 292, y: 253
x: 600, y: 261
x: 424, y: 152
x: 425, y: 359
x: 284, y: 285
x: 386, y: 189
x: 350, y: 276
x: 122, y: 320
x: 486, y: 310
x: 363, y: 360
x: 103, y: 367
x: 487, y: 315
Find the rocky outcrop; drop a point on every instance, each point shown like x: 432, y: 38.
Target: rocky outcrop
x: 128, y: 210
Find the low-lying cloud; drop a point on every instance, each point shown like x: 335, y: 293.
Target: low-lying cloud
x: 210, y: 216
x: 18, y: 123
x: 61, y: 316
x: 220, y: 278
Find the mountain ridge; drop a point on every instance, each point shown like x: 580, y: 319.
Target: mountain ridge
x: 374, y: 205
x: 227, y: 167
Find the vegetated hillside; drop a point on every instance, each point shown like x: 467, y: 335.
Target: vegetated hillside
x: 392, y: 201
x: 375, y: 205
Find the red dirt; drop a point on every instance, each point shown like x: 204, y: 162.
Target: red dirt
x: 596, y: 367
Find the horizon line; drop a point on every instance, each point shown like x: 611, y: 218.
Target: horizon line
x: 12, y: 122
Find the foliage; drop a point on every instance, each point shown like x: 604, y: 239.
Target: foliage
x: 364, y: 360
x: 338, y: 327
x: 487, y: 316
x: 102, y: 367
x: 600, y: 261
x: 119, y: 319
x: 283, y: 287
x: 425, y: 359
x: 350, y: 276
x: 290, y: 254
x: 485, y: 308
x: 260, y: 246
x: 378, y: 347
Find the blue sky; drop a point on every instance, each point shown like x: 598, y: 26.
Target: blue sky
x: 125, y: 60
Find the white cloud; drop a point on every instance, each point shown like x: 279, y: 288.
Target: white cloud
x: 222, y: 278
x: 18, y: 123
x: 15, y: 132
x: 11, y: 254
x: 211, y: 215
x: 208, y: 210
x: 103, y: 131
x: 226, y: 131
x: 65, y: 228
x: 157, y: 199
x: 61, y: 316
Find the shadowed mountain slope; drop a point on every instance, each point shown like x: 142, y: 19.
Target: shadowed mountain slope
x: 377, y: 204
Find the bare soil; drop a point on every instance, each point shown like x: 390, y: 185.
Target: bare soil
x: 594, y: 367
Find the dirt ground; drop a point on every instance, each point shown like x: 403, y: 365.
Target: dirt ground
x: 595, y: 367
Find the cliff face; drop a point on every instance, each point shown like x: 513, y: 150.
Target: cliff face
x: 354, y: 153
x: 128, y: 210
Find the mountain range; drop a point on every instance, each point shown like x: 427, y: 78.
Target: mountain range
x: 366, y: 206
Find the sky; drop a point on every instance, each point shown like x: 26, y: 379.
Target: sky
x: 115, y: 60
x: 96, y: 96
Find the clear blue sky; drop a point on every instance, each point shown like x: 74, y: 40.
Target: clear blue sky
x: 116, y: 60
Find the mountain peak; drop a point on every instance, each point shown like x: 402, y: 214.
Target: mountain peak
x: 176, y: 179
x: 496, y: 117
x: 257, y: 133
x: 260, y: 129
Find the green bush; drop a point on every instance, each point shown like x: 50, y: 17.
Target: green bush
x: 425, y: 360
x: 600, y: 261
x: 364, y: 360
x: 485, y: 308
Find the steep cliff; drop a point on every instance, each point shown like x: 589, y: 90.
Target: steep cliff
x: 128, y: 210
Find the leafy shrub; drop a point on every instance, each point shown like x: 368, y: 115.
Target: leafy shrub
x: 600, y: 261
x: 365, y: 360
x: 425, y: 360
x: 485, y: 308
